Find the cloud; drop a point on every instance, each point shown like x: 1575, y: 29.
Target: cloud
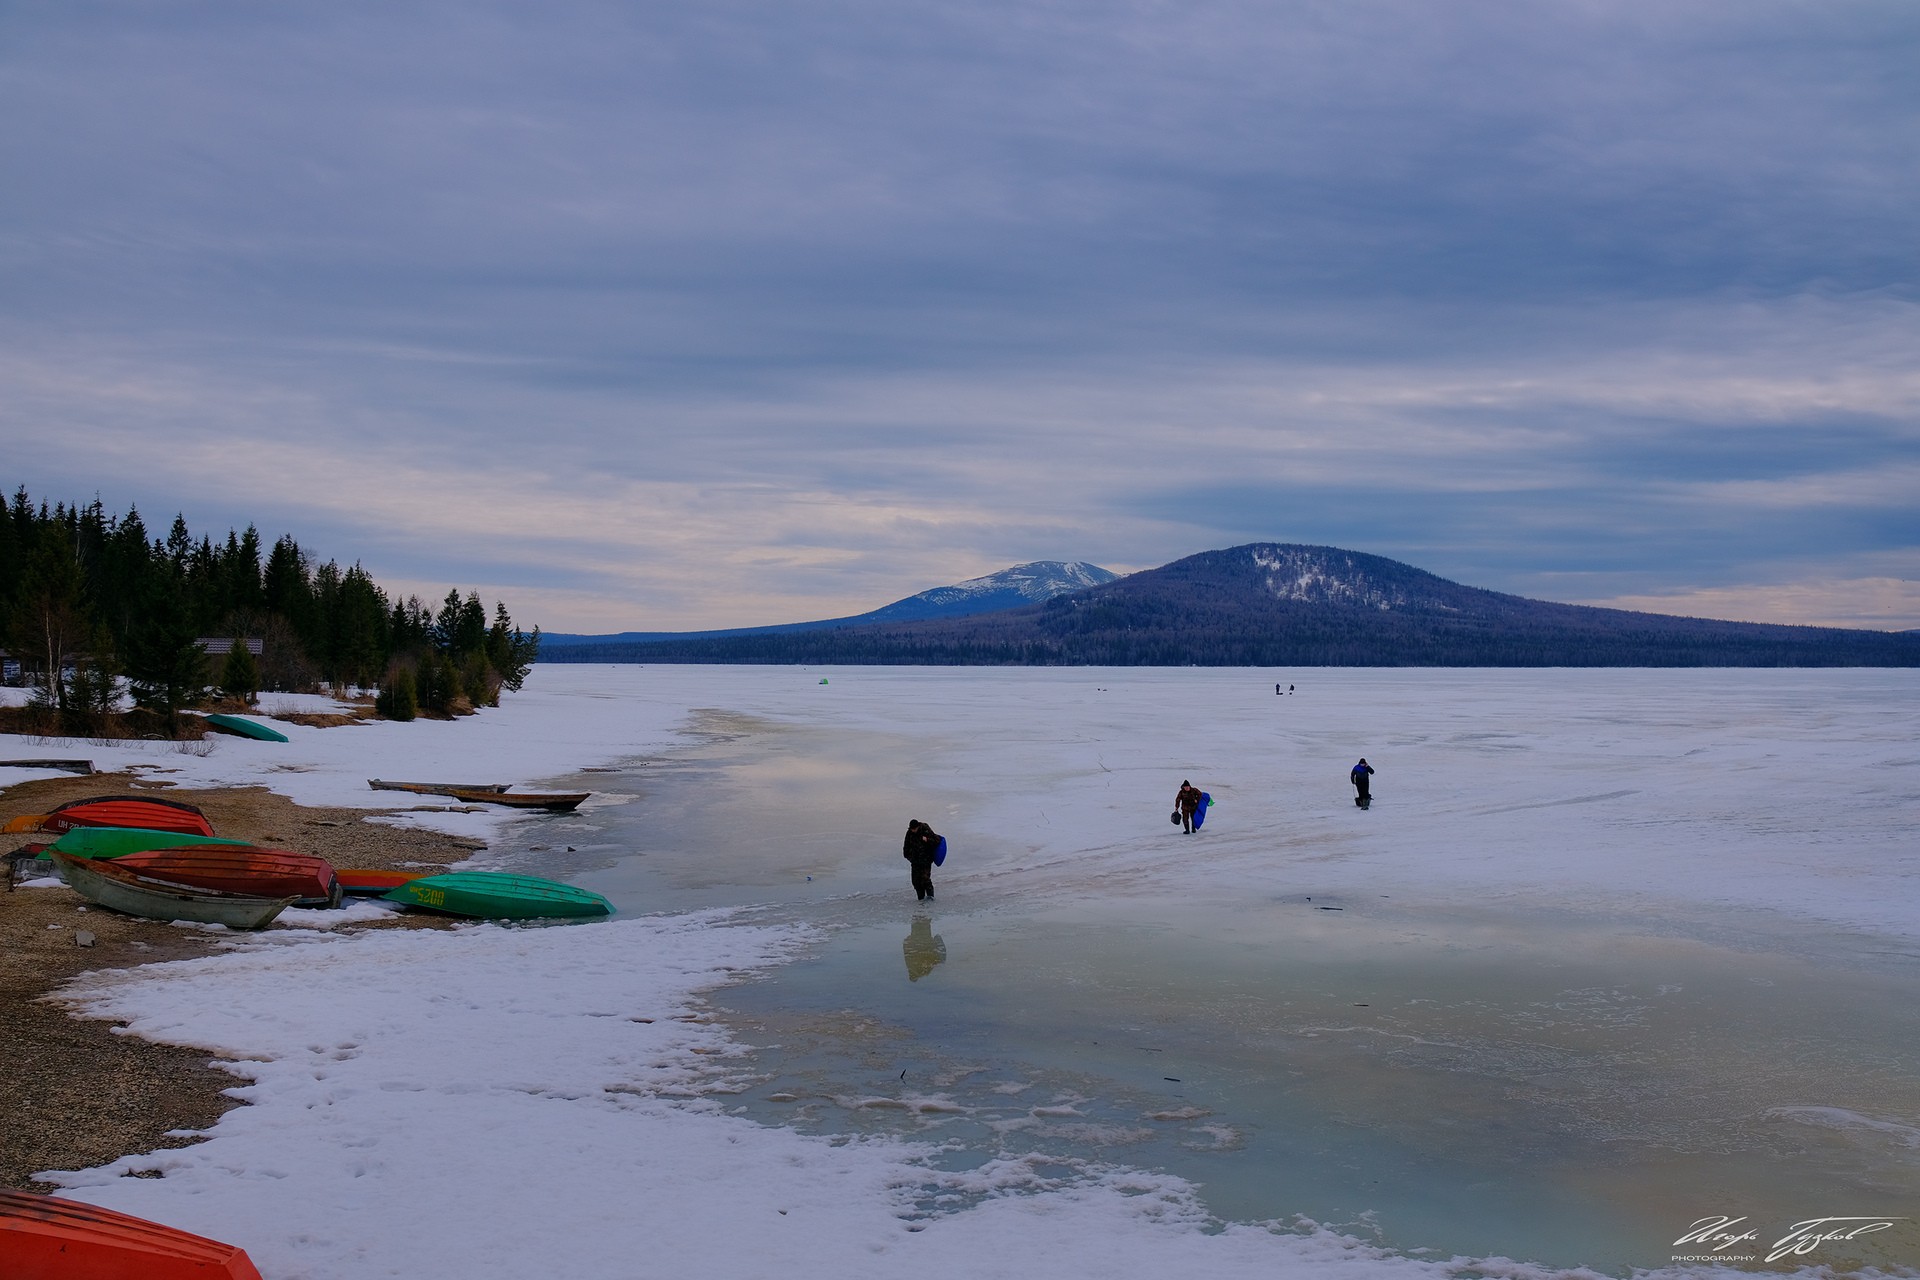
x: 1881, y: 604
x: 740, y: 312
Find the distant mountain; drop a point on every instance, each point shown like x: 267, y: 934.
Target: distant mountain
x: 1275, y: 604
x: 1033, y: 583
x: 1030, y: 583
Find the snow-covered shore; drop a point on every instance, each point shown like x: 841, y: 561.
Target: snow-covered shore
x: 511, y: 1102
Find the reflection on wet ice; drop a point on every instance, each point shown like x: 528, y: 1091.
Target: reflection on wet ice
x: 923, y: 948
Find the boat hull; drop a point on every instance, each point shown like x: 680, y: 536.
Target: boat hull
x: 434, y: 788
x: 489, y: 895
x: 107, y: 884
x: 367, y: 881
x: 243, y: 869
x: 49, y: 1238
x: 551, y: 801
x: 242, y: 727
x: 127, y: 811
x: 112, y: 842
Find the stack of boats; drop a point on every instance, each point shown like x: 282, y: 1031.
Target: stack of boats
x: 161, y: 860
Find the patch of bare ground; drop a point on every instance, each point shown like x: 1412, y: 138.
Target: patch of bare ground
x: 76, y: 1093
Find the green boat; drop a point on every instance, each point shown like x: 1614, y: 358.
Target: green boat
x: 246, y: 728
x: 111, y: 842
x: 493, y: 895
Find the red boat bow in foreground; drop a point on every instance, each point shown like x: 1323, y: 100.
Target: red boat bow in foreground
x: 48, y: 1238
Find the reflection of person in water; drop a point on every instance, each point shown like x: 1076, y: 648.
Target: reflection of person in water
x: 923, y: 949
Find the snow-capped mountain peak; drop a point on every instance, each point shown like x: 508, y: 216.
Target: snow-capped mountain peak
x: 1029, y: 583
x: 1033, y: 582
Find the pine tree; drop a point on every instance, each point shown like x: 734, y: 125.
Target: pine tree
x: 511, y: 651
x: 240, y: 674
x: 166, y: 667
x: 397, y: 699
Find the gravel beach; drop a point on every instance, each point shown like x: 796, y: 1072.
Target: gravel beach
x: 77, y: 1093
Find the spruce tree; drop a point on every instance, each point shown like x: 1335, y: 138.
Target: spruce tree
x: 397, y: 699
x: 240, y: 674
x: 166, y: 667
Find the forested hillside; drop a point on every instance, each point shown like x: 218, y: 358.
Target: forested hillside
x: 93, y: 605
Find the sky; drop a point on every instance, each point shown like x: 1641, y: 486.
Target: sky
x: 660, y: 316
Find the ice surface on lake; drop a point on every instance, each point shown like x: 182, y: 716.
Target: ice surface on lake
x: 494, y: 1085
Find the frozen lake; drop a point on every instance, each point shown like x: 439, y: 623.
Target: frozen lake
x: 1612, y: 952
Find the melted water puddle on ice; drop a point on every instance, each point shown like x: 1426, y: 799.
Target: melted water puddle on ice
x: 1554, y: 1088
x: 1534, y: 1088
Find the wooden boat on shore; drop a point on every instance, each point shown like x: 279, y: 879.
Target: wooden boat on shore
x: 242, y: 727
x: 127, y: 811
x: 551, y: 801
x: 493, y: 895
x: 112, y: 842
x: 371, y: 882
x: 65, y: 766
x: 434, y: 788
x: 107, y: 884
x: 244, y: 869
x: 50, y: 1238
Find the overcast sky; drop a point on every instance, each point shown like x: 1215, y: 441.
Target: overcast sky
x: 671, y: 315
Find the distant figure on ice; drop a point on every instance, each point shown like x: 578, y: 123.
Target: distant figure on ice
x: 1186, y: 803
x: 922, y: 948
x: 919, y: 849
x: 1362, y: 776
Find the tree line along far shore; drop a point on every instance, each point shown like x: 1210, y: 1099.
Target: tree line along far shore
x: 93, y: 609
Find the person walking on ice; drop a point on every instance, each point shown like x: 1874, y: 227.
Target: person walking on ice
x: 1187, y: 803
x: 920, y: 848
x: 1362, y: 776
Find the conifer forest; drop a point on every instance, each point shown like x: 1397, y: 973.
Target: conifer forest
x: 97, y: 612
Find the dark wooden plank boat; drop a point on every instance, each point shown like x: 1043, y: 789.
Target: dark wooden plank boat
x: 244, y: 869
x: 112, y: 886
x: 127, y: 811
x: 242, y: 727
x: 49, y: 1238
x: 366, y: 880
x: 552, y: 801
x: 493, y: 895
x: 68, y: 766
x: 434, y: 788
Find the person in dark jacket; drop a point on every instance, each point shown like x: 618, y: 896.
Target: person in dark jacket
x: 921, y: 844
x: 1187, y: 801
x: 1362, y: 776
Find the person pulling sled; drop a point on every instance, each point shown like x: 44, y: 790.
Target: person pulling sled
x: 1362, y: 776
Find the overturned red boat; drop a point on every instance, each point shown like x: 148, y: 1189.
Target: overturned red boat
x: 48, y: 1238
x: 242, y: 868
x: 128, y: 811
x: 365, y: 880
